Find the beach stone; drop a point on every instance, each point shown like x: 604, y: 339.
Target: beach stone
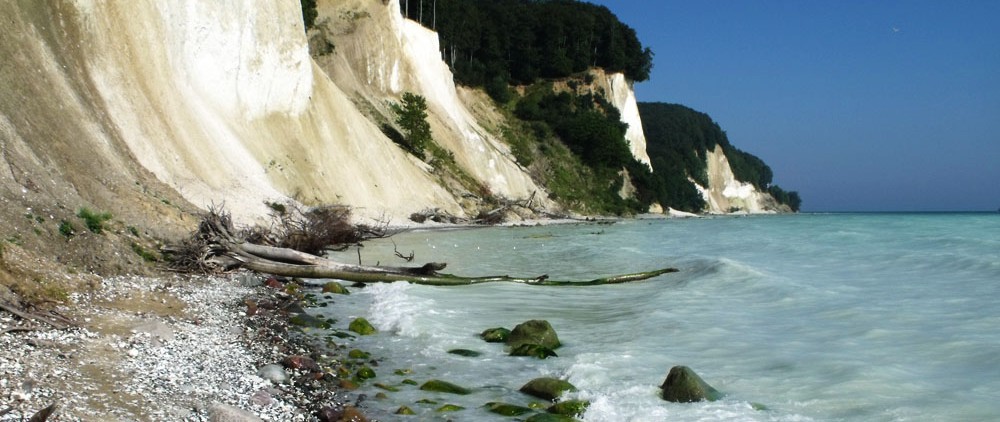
x: 159, y: 332
x: 300, y: 362
x: 533, y: 350
x: 273, y: 283
x: 547, y: 388
x: 495, y: 335
x: 361, y: 326
x: 262, y: 398
x: 507, y: 409
x: 683, y: 385
x: 569, y: 407
x: 274, y: 373
x: 536, y: 331
x: 444, y: 387
x: 219, y: 412
x: 335, y: 288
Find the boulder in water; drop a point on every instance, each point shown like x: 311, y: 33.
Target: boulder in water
x: 533, y: 350
x: 335, y: 288
x: 507, y: 409
x: 547, y: 388
x: 684, y: 386
x: 444, y: 387
x: 569, y: 407
x: 361, y: 326
x: 495, y: 335
x: 536, y: 331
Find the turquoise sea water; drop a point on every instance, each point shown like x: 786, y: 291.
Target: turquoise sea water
x: 835, y: 317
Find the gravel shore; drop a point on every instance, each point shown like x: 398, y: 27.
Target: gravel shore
x: 167, y: 348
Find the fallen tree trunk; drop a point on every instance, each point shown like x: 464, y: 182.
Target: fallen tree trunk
x: 267, y: 259
x: 215, y: 245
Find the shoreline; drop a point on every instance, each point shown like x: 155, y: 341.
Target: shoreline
x: 167, y: 348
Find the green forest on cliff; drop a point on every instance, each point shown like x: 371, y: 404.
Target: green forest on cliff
x: 572, y: 138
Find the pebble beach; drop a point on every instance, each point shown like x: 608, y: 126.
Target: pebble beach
x: 167, y: 348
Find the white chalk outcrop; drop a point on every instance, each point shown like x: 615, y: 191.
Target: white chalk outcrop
x: 620, y: 93
x: 222, y: 101
x: 725, y: 194
x: 378, y: 55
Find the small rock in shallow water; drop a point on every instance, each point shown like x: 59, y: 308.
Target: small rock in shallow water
x: 274, y: 373
x: 300, y: 362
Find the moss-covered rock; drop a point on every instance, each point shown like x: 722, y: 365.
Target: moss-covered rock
x: 465, y: 352
x: 547, y: 388
x: 495, y: 335
x: 444, y: 387
x: 569, y: 407
x: 358, y: 354
x: 684, y: 386
x: 450, y: 408
x: 335, y: 288
x: 533, y: 350
x: 364, y: 373
x: 308, y: 321
x: 536, y: 331
x: 403, y: 410
x: 550, y: 417
x: 387, y: 387
x: 507, y: 409
x: 361, y: 326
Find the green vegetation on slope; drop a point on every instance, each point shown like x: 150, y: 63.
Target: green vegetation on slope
x: 677, y: 141
x: 499, y: 42
x: 591, y: 129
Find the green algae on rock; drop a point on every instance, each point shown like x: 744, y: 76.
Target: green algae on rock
x: 507, y: 409
x: 533, y: 350
x: 547, y: 388
x: 683, y: 385
x: 536, y: 331
x: 569, y: 407
x: 495, y: 335
x: 362, y: 327
x: 444, y: 387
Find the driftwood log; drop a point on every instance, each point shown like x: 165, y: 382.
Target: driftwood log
x: 216, y: 245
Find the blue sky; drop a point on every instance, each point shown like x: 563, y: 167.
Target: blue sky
x: 857, y: 105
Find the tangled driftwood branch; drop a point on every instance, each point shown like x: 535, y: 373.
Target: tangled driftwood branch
x: 218, y: 246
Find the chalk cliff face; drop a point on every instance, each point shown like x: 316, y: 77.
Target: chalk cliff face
x: 378, y: 55
x: 149, y: 108
x: 620, y: 94
x: 219, y: 100
x: 725, y: 194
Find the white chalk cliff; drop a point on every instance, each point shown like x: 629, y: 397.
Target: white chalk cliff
x: 219, y: 101
x: 725, y: 194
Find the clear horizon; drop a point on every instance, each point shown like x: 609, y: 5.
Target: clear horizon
x: 858, y: 106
